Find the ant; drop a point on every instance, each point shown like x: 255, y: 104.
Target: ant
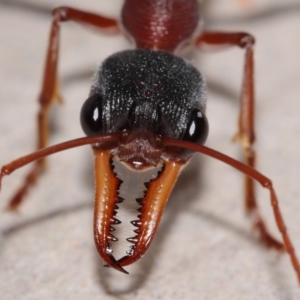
x: 147, y: 107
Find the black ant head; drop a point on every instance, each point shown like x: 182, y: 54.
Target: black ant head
x: 147, y: 94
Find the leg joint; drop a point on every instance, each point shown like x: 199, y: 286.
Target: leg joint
x: 246, y: 40
x: 61, y: 13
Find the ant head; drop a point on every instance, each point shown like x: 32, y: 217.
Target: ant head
x: 149, y: 94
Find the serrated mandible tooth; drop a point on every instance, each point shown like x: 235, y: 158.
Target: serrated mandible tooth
x: 115, y: 221
x: 136, y: 223
x: 132, y: 240
x: 112, y: 238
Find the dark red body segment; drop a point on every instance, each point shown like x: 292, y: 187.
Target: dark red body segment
x: 160, y: 25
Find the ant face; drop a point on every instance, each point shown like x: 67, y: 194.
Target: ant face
x: 146, y: 95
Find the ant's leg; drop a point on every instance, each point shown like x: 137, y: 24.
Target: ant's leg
x: 258, y: 177
x: 245, y: 133
x: 50, y: 86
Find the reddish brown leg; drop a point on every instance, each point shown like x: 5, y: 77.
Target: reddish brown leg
x: 50, y: 87
x: 245, y: 133
x: 255, y: 175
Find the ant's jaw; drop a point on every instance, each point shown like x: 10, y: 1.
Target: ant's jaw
x: 150, y: 209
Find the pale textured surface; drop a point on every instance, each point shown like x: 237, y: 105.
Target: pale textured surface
x: 204, y: 248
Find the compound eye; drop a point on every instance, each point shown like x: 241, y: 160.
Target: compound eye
x: 197, y: 128
x: 91, y: 115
